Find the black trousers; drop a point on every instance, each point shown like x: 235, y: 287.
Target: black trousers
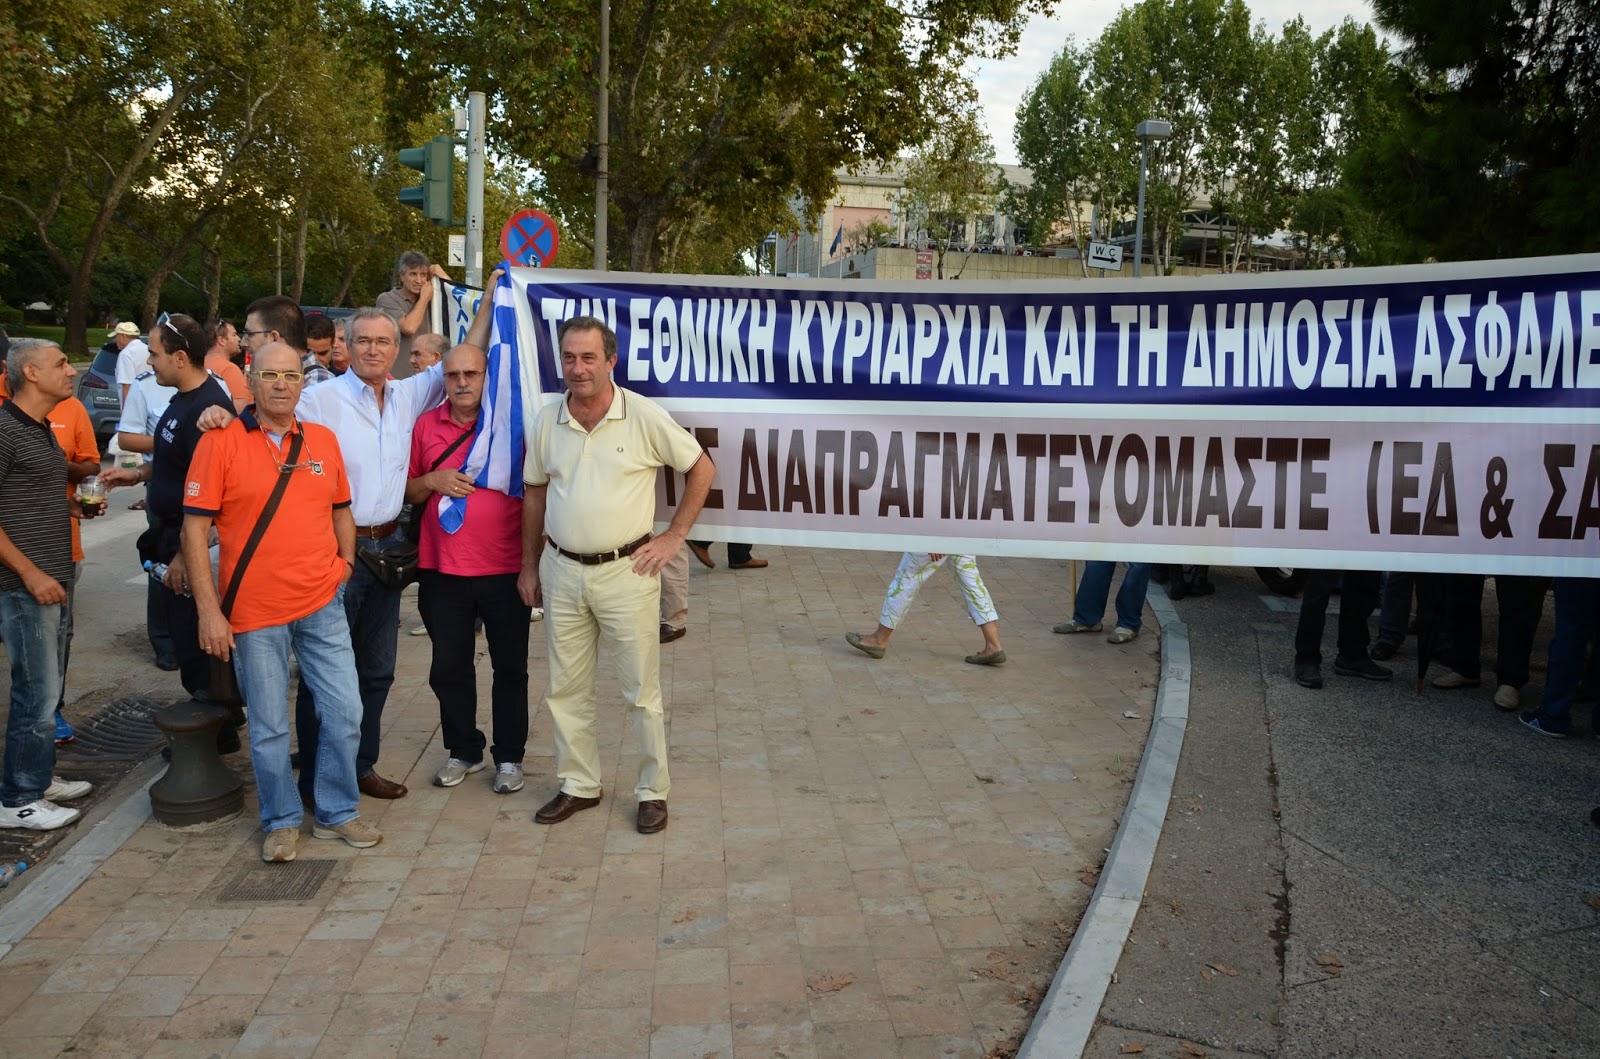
x: 451, y: 607
x: 1521, y: 603
x: 183, y: 623
x: 1356, y: 603
x: 737, y: 553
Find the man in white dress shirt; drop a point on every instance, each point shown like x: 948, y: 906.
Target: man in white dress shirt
x: 372, y: 415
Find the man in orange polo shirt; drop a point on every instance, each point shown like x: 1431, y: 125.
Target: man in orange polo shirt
x: 69, y: 422
x: 290, y: 594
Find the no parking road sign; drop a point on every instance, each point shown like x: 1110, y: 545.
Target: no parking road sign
x: 530, y: 239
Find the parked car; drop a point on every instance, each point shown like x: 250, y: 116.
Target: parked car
x: 100, y: 394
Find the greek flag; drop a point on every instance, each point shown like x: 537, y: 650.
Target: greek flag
x: 494, y: 456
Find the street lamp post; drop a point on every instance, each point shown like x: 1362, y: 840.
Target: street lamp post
x: 1147, y: 131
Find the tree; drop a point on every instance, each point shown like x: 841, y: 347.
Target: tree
x: 176, y: 111
x: 1259, y: 123
x: 718, y: 111
x: 1497, y: 138
x: 1081, y: 180
x: 951, y: 176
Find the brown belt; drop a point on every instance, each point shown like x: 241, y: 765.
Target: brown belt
x: 597, y: 558
x: 376, y: 533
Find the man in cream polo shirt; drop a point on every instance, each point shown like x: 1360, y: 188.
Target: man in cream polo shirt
x: 589, y: 560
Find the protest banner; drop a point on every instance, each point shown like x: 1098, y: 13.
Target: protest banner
x: 1429, y: 418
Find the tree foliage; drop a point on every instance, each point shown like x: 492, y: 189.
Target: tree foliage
x: 950, y: 177
x: 721, y: 113
x: 1498, y: 137
x: 1259, y: 122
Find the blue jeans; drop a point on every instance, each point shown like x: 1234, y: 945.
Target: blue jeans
x: 1395, y: 617
x: 373, y: 614
x: 321, y: 641
x: 31, y: 633
x: 1095, y: 586
x: 1577, y: 619
x: 64, y: 639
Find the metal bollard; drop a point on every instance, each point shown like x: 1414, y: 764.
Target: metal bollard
x: 198, y: 787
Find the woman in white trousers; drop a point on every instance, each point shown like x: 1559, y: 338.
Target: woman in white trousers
x: 915, y: 568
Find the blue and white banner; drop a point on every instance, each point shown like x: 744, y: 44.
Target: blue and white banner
x: 451, y: 311
x: 1441, y: 417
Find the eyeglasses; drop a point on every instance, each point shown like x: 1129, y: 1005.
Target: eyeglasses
x: 263, y: 331
x: 268, y: 375
x: 165, y: 320
x: 382, y: 341
x: 463, y: 376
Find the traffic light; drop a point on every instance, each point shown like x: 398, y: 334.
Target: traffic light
x: 436, y: 197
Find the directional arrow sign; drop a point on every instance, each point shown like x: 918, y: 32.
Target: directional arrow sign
x: 1105, y: 255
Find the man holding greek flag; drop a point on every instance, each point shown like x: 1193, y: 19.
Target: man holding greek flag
x: 466, y: 458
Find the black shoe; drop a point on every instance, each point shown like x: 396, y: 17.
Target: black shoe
x: 1594, y: 816
x: 1308, y: 674
x: 668, y: 633
x: 1365, y: 668
x: 1382, y: 651
x: 167, y: 663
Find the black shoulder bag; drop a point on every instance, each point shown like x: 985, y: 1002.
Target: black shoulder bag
x: 398, y: 566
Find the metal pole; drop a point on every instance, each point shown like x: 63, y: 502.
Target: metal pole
x: 1138, y: 222
x: 602, y: 145
x: 476, y: 106
x: 280, y: 257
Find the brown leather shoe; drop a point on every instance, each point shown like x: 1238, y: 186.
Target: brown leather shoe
x: 375, y: 786
x: 652, y: 817
x: 703, y: 553
x: 668, y: 633
x: 749, y: 564
x: 562, y: 806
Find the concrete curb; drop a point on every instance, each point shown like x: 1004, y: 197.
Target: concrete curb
x: 1067, y: 1016
x: 60, y: 879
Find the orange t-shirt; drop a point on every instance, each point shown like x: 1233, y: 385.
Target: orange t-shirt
x: 296, y: 568
x: 75, y: 434
x: 231, y: 377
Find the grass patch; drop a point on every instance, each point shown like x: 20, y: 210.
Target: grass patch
x: 96, y: 335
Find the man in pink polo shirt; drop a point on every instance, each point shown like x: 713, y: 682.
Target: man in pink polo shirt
x: 466, y: 576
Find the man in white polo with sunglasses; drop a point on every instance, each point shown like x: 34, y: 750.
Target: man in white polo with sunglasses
x: 287, y: 590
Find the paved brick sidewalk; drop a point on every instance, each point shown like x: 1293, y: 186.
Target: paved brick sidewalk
x: 865, y: 859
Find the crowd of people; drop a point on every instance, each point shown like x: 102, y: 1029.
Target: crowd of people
x: 287, y: 503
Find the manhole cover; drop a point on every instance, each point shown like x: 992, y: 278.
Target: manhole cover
x: 299, y: 880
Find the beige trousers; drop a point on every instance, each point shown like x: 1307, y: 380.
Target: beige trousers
x: 675, y: 590
x: 582, y: 604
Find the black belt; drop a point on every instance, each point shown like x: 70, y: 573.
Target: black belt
x: 376, y: 533
x: 597, y: 558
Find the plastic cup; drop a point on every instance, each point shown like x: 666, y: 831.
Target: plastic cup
x: 92, y: 494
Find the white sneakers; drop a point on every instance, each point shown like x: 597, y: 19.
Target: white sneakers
x: 507, y: 778
x: 41, y: 815
x: 454, y: 771
x: 61, y: 790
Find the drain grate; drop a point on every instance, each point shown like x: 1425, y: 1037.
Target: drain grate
x: 299, y: 880
x: 109, y: 744
x: 121, y: 731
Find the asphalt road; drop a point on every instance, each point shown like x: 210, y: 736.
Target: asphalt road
x: 1361, y: 870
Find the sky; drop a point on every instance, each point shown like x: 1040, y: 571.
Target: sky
x: 1001, y: 84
